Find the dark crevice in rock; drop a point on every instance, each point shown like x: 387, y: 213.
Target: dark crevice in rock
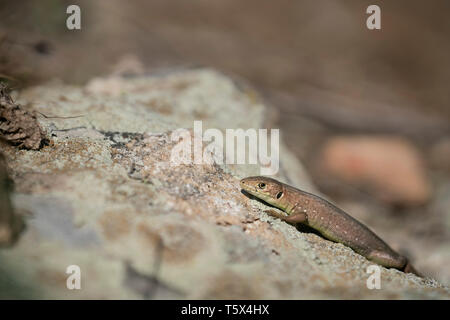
x: 114, y: 136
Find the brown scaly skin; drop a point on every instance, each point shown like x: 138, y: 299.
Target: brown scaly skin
x: 333, y: 223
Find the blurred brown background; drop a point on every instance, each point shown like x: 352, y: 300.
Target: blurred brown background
x: 368, y: 112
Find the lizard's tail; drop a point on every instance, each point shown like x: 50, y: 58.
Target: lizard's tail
x: 408, y: 268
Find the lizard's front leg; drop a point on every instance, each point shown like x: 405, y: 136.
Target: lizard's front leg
x: 292, y: 219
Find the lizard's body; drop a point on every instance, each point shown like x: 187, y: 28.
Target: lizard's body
x: 330, y: 221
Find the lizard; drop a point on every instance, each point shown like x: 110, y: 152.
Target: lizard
x: 330, y: 221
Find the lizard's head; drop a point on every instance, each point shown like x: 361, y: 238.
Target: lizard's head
x: 267, y: 189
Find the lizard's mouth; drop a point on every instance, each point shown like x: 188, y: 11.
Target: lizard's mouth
x: 256, y: 196
x: 250, y: 189
x: 253, y: 190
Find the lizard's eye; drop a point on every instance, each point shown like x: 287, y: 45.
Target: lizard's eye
x: 261, y: 185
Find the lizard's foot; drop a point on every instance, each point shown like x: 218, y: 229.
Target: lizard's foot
x: 410, y: 269
x: 275, y: 214
x: 292, y: 219
x: 388, y: 261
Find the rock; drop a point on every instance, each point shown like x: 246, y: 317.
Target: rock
x: 439, y: 253
x: 105, y: 197
x: 388, y: 166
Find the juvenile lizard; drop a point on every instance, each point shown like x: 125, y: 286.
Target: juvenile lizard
x: 330, y: 221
